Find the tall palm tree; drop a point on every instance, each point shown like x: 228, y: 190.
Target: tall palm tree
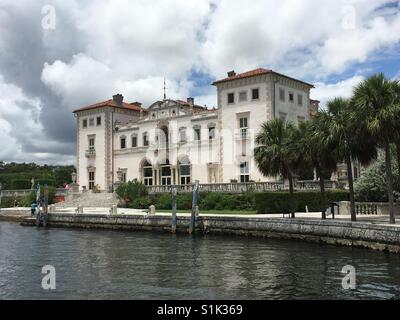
x: 316, y: 151
x: 349, y: 140
x: 396, y: 87
x: 275, y: 153
x: 378, y: 110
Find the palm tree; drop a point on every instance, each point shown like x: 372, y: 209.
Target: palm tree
x: 349, y: 140
x: 396, y: 86
x: 377, y: 108
x: 275, y: 153
x: 316, y: 151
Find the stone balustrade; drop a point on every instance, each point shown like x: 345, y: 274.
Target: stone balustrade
x: 243, y: 187
x: 368, y: 208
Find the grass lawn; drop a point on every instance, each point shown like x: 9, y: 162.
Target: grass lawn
x: 248, y: 212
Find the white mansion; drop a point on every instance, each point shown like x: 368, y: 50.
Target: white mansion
x: 178, y: 142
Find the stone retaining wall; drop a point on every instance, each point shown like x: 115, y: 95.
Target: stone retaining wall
x: 378, y: 237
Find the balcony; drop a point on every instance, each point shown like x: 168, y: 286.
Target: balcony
x: 243, y: 134
x: 90, y: 153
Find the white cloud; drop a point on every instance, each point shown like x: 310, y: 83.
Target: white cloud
x: 85, y: 81
x: 21, y: 132
x: 326, y: 91
x: 305, y: 38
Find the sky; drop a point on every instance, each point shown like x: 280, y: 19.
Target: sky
x: 56, y: 56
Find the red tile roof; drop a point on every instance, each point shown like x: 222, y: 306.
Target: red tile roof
x: 253, y: 73
x: 248, y: 74
x: 111, y: 103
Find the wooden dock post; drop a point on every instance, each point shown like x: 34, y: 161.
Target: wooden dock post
x: 174, y: 192
x: 194, y: 204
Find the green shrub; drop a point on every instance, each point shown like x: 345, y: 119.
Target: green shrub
x: 372, y: 186
x: 130, y: 191
x: 20, y: 184
x: 140, y: 203
x: 8, y: 202
x: 184, y: 201
x: 278, y: 202
x: 30, y: 198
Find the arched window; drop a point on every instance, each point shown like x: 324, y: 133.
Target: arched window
x: 166, y: 173
x: 134, y: 140
x: 147, y: 173
x: 211, y: 131
x: 184, y: 171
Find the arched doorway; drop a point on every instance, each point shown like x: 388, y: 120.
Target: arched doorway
x: 184, y: 170
x: 165, y: 171
x: 147, y: 173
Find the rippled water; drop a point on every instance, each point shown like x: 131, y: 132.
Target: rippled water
x: 143, y: 265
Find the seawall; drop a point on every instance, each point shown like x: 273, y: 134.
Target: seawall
x: 14, y: 214
x: 355, y: 234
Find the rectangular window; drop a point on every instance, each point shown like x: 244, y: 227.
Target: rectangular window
x: 148, y: 176
x: 134, y: 141
x: 291, y: 97
x: 184, y: 172
x: 166, y: 175
x: 182, y: 135
x: 243, y: 125
x: 197, y: 134
x: 91, y: 122
x: 244, y: 172
x: 242, y: 96
x: 231, y: 97
x: 84, y: 123
x: 255, y: 94
x: 282, y: 94
x: 211, y: 133
x: 123, y: 176
x: 91, y: 144
x: 98, y: 121
x: 91, y: 180
x: 300, y: 99
x: 145, y: 139
x: 123, y: 143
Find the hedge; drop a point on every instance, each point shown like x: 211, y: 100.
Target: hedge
x: 23, y: 184
x: 8, y: 202
x: 278, y: 202
x: 207, y: 201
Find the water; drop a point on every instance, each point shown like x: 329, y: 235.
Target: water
x: 93, y: 264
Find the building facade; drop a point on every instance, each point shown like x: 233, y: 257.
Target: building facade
x: 178, y: 142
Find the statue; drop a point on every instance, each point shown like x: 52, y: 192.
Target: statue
x: 32, y: 183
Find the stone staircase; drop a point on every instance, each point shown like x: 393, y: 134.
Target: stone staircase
x: 89, y: 200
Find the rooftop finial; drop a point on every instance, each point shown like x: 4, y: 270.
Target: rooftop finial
x: 165, y: 91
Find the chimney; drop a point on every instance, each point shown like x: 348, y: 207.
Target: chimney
x: 190, y: 100
x: 118, y: 98
x: 231, y: 73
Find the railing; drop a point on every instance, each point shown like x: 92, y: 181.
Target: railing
x: 15, y: 193
x: 366, y: 208
x: 314, y: 185
x: 242, y: 187
x: 90, y: 153
x: 24, y: 192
